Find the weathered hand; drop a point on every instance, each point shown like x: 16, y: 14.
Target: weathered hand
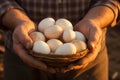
x: 93, y: 33
x: 22, y: 42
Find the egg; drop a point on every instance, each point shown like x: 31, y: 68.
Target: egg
x: 80, y: 45
x: 37, y: 36
x: 41, y: 47
x: 45, y: 23
x: 64, y: 23
x: 54, y: 44
x: 68, y: 35
x: 66, y: 49
x: 53, y: 32
x: 79, y: 36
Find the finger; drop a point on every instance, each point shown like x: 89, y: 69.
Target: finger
x: 51, y: 70
x: 74, y: 67
x: 94, y: 37
x: 25, y: 39
x: 93, y: 54
x: 94, y: 44
x: 27, y: 58
x: 21, y: 35
x: 84, y: 66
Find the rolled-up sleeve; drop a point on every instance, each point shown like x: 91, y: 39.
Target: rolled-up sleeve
x: 114, y: 5
x: 5, y: 5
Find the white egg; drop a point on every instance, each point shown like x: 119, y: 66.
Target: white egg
x: 80, y: 36
x: 64, y: 23
x: 68, y: 35
x: 45, y: 23
x: 37, y: 36
x: 53, y: 32
x: 80, y: 45
x: 54, y: 44
x: 41, y: 47
x: 66, y: 49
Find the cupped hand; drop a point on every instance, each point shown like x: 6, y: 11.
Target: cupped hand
x: 93, y: 34
x: 22, y: 42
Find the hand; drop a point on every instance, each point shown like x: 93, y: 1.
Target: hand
x: 93, y: 33
x: 22, y: 42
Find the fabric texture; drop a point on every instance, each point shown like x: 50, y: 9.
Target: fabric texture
x: 74, y: 11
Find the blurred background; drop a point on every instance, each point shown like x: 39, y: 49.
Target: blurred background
x: 113, y: 44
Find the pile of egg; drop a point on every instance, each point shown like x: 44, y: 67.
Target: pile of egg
x: 57, y: 38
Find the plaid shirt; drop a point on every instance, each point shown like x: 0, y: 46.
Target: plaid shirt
x: 73, y: 10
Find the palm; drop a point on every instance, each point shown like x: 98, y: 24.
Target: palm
x: 93, y: 34
x: 22, y: 42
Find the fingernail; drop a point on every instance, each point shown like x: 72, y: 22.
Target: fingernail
x: 65, y: 71
x: 27, y: 45
x: 92, y: 45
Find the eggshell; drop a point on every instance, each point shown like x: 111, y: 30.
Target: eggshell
x: 54, y: 44
x: 66, y: 49
x: 37, y: 36
x: 45, y: 23
x: 80, y: 36
x: 68, y: 35
x: 80, y: 45
x: 53, y: 32
x: 41, y: 47
x: 64, y: 23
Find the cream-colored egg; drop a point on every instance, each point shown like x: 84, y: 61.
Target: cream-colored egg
x: 54, y: 44
x: 66, y: 49
x: 68, y: 35
x: 45, y: 23
x: 37, y: 36
x: 64, y: 23
x: 41, y: 47
x: 80, y: 45
x: 80, y: 36
x: 53, y: 32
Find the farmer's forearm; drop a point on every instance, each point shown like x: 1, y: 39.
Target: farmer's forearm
x: 101, y: 15
x: 13, y: 18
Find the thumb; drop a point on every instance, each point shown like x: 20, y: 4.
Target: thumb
x: 28, y: 42
x: 23, y: 38
x: 94, y: 38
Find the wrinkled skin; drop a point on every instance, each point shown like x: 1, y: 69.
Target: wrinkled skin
x: 22, y: 42
x: 93, y: 34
